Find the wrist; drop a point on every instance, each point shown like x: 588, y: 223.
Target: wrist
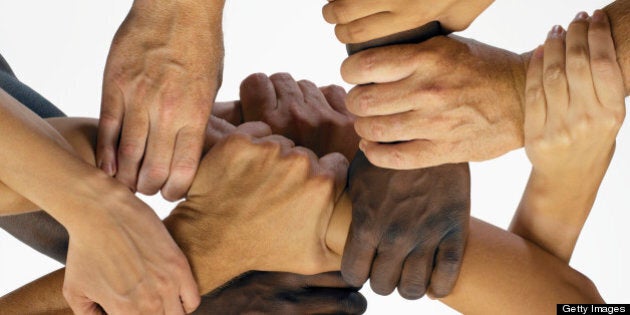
x: 212, y: 258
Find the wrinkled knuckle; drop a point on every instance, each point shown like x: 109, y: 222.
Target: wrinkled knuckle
x: 130, y: 151
x: 553, y: 73
x: 156, y: 173
x: 412, y: 288
x: 237, y: 142
x: 577, y: 57
x: 350, y: 33
x: 300, y: 161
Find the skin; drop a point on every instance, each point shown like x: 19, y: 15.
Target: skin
x: 157, y: 97
x: 472, y: 97
x: 147, y: 252
x: 574, y: 109
x: 391, y: 242
x: 357, y: 21
x: 497, y: 264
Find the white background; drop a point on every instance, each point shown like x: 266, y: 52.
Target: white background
x: 59, y: 49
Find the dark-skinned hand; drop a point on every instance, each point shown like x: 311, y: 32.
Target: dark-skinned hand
x: 409, y: 227
x: 284, y: 293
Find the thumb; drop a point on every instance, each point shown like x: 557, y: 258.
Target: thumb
x: 337, y: 165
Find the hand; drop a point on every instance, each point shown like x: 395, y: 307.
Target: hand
x: 157, y: 96
x: 358, y: 21
x: 312, y: 117
x: 284, y: 293
x: 574, y: 102
x: 249, y: 188
x: 448, y: 99
x: 127, y: 263
x: 411, y: 240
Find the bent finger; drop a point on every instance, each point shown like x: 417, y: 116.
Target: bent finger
x: 414, y: 280
x: 345, y: 11
x: 357, y: 258
x: 186, y: 158
x: 258, y: 97
x: 554, y: 74
x: 380, y: 65
x: 132, y: 145
x: 109, y: 127
x: 607, y: 75
x: 579, y: 76
x: 535, y: 102
x: 337, y: 164
x: 156, y: 164
x: 448, y: 262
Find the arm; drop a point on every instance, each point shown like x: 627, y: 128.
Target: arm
x: 157, y: 97
x: 473, y: 88
x: 569, y: 132
x: 38, y: 157
x: 501, y: 272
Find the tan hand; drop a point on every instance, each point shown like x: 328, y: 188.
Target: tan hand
x: 312, y: 117
x: 157, y: 96
x: 574, y: 101
x: 360, y: 21
x: 247, y: 191
x: 127, y: 263
x: 448, y: 99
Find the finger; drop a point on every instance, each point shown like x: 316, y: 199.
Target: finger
x: 409, y: 155
x: 607, y: 76
x: 393, y: 98
x: 313, y: 96
x: 258, y: 96
x: 403, y: 127
x: 345, y: 11
x: 380, y: 65
x: 109, y: 126
x: 285, y: 143
x: 554, y: 75
x: 173, y: 306
x: 387, y: 268
x: 370, y: 27
x: 337, y: 165
x: 331, y: 301
x: 358, y: 255
x: 331, y: 279
x: 82, y: 305
x: 581, y: 88
x: 216, y: 130
x: 336, y: 97
x: 131, y: 149
x: 415, y: 274
x: 448, y: 262
x: 229, y: 111
x: 156, y: 164
x: 188, y: 148
x: 256, y: 129
x: 535, y: 102
x: 288, y: 92
x: 189, y: 291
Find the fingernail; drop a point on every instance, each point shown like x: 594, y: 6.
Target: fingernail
x: 539, y: 52
x: 556, y: 31
x: 581, y: 16
x: 598, y: 16
x: 109, y: 168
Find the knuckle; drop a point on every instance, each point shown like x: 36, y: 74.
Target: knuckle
x: 553, y: 73
x: 130, y: 150
x: 577, y: 57
x: 350, y: 33
x: 412, y: 288
x: 299, y: 161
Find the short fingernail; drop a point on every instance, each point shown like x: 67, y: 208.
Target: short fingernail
x: 581, y: 16
x: 108, y: 168
x: 598, y: 16
x: 556, y: 31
